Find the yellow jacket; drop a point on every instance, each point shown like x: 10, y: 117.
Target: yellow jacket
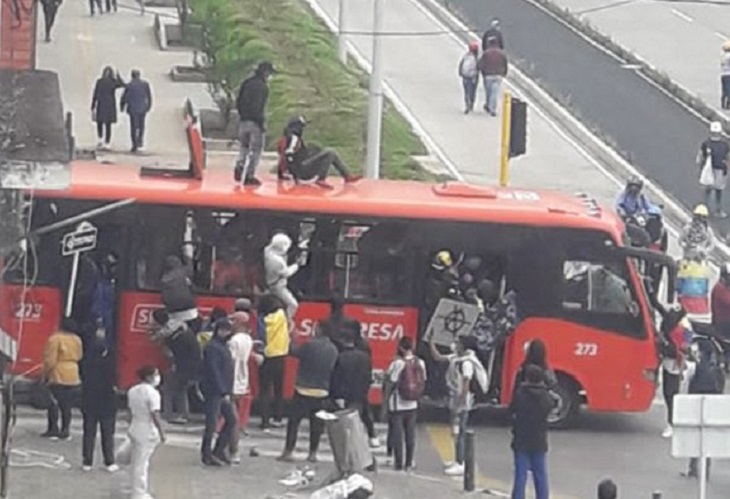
x: 61, y: 357
x: 277, y: 334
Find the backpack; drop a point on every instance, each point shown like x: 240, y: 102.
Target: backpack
x: 412, y: 380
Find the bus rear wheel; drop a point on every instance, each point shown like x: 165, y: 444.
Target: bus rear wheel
x: 567, y: 403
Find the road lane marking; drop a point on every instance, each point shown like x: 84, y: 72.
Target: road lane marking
x: 720, y: 36
x: 442, y: 441
x: 682, y: 15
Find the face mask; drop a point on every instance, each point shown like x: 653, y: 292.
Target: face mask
x: 156, y: 380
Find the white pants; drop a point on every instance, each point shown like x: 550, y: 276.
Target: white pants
x: 286, y: 296
x: 142, y: 451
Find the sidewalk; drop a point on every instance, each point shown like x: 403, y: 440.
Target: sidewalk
x: 83, y: 45
x: 682, y: 39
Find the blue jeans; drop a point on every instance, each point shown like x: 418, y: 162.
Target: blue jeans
x: 537, y: 464
x: 492, y: 85
x: 470, y: 92
x: 461, y: 423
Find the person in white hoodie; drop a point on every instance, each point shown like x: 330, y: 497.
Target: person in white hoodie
x: 470, y: 75
x: 278, y: 271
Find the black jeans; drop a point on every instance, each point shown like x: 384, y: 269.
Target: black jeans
x: 271, y: 378
x: 136, y: 125
x: 65, y: 398
x: 107, y: 424
x: 403, y: 425
x: 215, y: 407
x: 725, y: 84
x: 318, y: 164
x: 111, y: 4
x: 104, y: 131
x: 95, y: 4
x: 305, y: 407
x: 366, y: 415
x: 670, y: 387
x: 50, y: 8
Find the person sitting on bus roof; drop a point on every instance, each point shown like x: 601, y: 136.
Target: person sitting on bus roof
x: 303, y: 162
x: 697, y: 240
x: 632, y: 201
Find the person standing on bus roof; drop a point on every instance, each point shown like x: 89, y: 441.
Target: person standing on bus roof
x: 251, y: 106
x: 304, y: 162
x: 137, y: 101
x: 278, y: 271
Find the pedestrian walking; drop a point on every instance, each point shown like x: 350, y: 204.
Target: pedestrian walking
x: 607, y: 489
x: 137, y: 102
x: 530, y: 408
x: 98, y: 404
x: 675, y: 347
x: 251, y: 105
x: 464, y: 366
x: 183, y: 347
x: 104, y: 105
x: 405, y: 383
x: 95, y: 5
x: 61, y: 357
x: 276, y: 348
x: 352, y: 377
x: 493, y: 32
x: 725, y: 75
x: 714, y: 152
x: 469, y: 73
x: 217, y: 387
x: 145, y: 428
x: 493, y: 67
x: 707, y: 378
x: 50, y: 9
x: 241, y: 346
x: 278, y: 271
x: 111, y: 4
x: 317, y: 359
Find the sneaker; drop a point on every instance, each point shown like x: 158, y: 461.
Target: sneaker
x: 65, y: 437
x: 236, y: 458
x: 178, y: 421
x: 286, y: 457
x: 374, y: 442
x: 721, y: 214
x: 455, y: 469
x: 212, y: 461
x: 351, y: 179
x: 668, y: 432
x: 50, y: 434
x: 323, y: 184
x: 107, y: 146
x: 86, y: 467
x: 100, y: 144
x: 252, y: 181
x: 312, y: 457
x: 112, y: 468
x: 277, y: 423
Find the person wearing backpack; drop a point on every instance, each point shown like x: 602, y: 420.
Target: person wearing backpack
x: 470, y: 75
x: 405, y: 383
x: 464, y: 376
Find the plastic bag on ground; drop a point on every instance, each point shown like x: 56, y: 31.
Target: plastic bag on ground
x: 355, y: 486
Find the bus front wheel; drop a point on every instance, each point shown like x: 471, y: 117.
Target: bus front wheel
x: 567, y: 402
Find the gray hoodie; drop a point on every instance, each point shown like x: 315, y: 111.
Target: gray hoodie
x: 278, y: 271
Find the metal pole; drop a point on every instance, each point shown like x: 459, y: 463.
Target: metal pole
x: 703, y: 455
x: 506, y: 120
x: 375, y: 101
x: 469, y: 461
x: 84, y: 216
x: 72, y: 285
x: 342, y: 32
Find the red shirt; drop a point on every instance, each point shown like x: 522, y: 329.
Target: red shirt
x: 720, y: 299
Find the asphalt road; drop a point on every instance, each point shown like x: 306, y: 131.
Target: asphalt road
x: 654, y: 132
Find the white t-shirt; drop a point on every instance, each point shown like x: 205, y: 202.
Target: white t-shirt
x: 143, y: 399
x: 395, y: 402
x: 240, y: 346
x: 459, y: 372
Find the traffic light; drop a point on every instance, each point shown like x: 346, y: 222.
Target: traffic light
x: 517, y: 128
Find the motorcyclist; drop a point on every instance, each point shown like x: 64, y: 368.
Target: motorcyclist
x: 632, y: 201
x: 697, y: 240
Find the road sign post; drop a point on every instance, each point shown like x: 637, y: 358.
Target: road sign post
x: 506, y: 126
x: 74, y: 243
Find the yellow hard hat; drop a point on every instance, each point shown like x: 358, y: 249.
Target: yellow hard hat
x: 442, y: 260
x: 726, y: 46
x: 701, y: 211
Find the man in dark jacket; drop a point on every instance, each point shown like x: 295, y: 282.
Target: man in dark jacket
x: 493, y: 66
x: 493, y: 32
x: 530, y: 408
x: 50, y: 9
x: 251, y: 105
x: 352, y: 377
x: 137, y: 102
x: 217, y: 387
x: 303, y: 162
x: 98, y: 403
x: 317, y: 359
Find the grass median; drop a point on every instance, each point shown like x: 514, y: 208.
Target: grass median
x: 312, y: 82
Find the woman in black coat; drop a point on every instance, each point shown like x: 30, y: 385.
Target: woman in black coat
x: 104, y: 105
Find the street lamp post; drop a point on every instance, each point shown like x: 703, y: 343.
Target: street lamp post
x: 375, y: 100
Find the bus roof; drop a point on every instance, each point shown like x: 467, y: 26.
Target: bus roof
x: 387, y: 198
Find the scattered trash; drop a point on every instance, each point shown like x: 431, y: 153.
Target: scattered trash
x: 254, y: 452
x: 299, y: 477
x: 353, y: 487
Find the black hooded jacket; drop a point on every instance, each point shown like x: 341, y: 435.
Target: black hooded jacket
x: 251, y: 101
x: 530, y: 408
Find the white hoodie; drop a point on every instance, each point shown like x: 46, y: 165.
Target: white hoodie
x: 278, y: 271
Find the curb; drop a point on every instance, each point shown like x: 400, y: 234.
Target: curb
x: 675, y: 215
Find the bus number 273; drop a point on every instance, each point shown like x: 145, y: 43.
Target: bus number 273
x: 586, y: 349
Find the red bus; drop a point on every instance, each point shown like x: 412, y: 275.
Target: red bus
x: 578, y: 288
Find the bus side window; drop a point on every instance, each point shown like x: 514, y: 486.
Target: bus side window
x: 594, y: 287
